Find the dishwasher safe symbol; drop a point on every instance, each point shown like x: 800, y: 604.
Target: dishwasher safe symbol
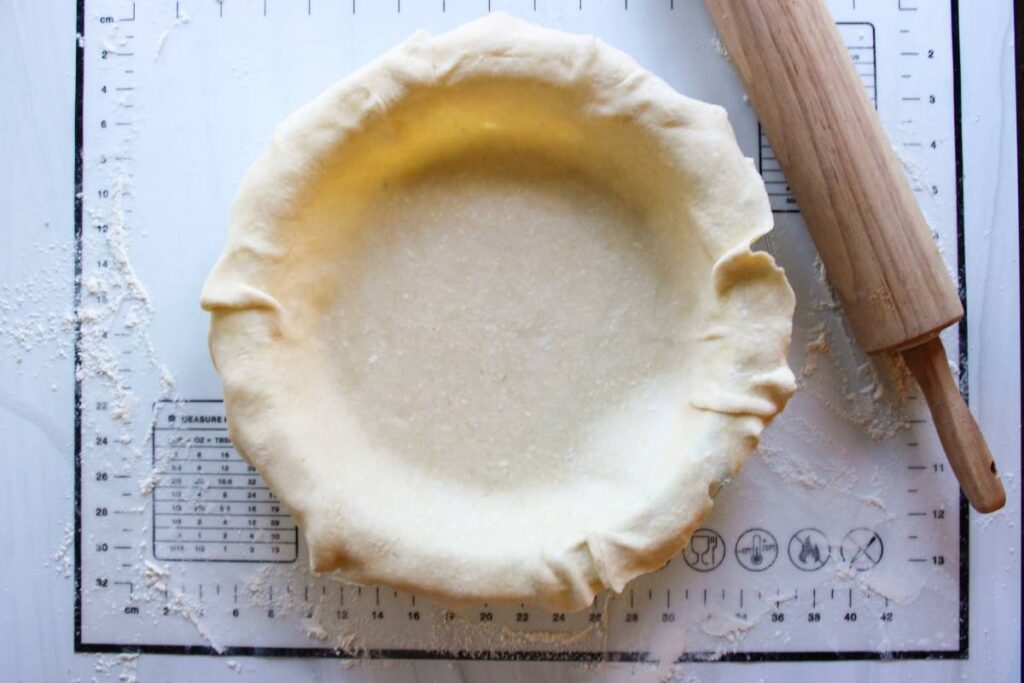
x: 706, y: 550
x: 756, y: 550
x: 809, y: 550
x: 862, y: 549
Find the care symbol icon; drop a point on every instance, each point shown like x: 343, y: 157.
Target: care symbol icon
x: 862, y: 549
x: 705, y: 551
x: 809, y: 550
x: 756, y: 549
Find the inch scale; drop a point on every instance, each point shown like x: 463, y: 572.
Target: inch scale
x: 841, y: 540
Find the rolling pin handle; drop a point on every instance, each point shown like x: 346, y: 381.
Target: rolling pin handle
x: 959, y: 433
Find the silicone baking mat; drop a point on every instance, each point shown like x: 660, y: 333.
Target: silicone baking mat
x: 842, y: 539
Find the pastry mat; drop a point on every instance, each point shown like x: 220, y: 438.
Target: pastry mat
x: 843, y: 538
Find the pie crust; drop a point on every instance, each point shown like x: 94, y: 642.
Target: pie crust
x: 488, y: 319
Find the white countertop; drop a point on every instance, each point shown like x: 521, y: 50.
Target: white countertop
x: 37, y: 72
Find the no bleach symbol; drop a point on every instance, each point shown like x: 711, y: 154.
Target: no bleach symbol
x: 809, y: 550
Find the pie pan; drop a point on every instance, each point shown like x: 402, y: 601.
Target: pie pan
x: 488, y: 319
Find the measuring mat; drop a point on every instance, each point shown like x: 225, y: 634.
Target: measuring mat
x: 843, y: 538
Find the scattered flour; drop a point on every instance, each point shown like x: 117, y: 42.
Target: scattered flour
x: 726, y: 625
x: 182, y: 19
x: 867, y: 392
x: 891, y: 586
x: 719, y: 47
x: 815, y: 349
x: 125, y: 666
x: 62, y: 562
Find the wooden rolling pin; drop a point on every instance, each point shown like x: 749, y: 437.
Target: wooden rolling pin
x: 876, y: 246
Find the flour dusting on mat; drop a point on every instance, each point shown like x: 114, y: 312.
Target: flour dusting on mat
x: 814, y: 469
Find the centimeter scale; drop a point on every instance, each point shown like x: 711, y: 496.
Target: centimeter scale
x: 844, y: 538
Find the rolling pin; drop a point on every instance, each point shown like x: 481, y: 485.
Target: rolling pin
x: 876, y: 246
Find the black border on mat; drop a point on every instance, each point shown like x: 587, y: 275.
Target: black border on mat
x: 413, y: 654
x: 79, y: 139
x: 961, y: 257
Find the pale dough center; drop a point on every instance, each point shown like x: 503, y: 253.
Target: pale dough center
x: 494, y: 311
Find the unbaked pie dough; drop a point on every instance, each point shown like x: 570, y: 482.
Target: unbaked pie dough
x: 488, y: 319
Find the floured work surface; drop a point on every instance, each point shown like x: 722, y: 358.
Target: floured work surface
x: 840, y: 539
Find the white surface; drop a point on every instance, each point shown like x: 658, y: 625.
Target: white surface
x: 175, y: 109
x: 36, y: 387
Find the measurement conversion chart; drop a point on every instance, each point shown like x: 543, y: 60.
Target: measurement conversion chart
x: 844, y: 537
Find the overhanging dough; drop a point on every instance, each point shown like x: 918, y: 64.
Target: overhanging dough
x: 488, y: 320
